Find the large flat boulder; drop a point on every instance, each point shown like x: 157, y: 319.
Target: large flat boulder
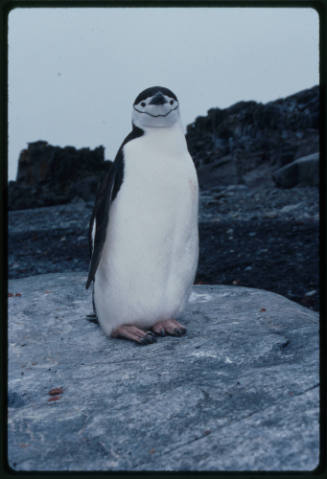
x: 239, y: 392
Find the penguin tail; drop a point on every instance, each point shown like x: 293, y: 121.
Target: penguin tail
x: 92, y: 318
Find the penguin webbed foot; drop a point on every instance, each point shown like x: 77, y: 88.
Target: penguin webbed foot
x: 133, y: 333
x: 168, y: 326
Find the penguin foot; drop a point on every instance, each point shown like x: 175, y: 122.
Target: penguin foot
x: 133, y: 333
x: 168, y: 326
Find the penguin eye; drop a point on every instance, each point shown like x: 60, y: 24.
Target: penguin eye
x: 171, y: 102
x: 143, y: 104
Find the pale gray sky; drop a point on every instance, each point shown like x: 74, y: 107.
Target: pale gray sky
x: 75, y: 72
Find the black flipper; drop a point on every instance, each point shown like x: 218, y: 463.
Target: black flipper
x: 106, y: 194
x: 101, y: 216
x: 92, y: 317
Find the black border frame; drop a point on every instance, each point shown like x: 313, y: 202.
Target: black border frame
x: 6, y: 6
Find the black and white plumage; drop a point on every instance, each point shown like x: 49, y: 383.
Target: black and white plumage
x: 143, y: 231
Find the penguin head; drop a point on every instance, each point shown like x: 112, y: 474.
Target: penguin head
x: 155, y: 107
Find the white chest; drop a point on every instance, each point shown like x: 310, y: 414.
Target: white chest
x: 158, y: 170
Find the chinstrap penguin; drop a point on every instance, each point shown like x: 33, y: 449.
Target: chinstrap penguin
x: 143, y: 231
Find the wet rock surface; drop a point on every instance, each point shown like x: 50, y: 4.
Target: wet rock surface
x: 239, y: 392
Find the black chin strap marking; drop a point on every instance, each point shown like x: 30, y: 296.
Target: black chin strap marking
x: 155, y: 116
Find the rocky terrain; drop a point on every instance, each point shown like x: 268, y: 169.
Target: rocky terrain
x: 248, y: 141
x: 238, y: 392
x: 252, y: 231
x: 50, y: 175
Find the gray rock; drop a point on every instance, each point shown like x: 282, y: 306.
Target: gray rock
x: 239, y: 392
x: 301, y: 172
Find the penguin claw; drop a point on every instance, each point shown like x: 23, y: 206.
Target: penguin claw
x: 169, y: 326
x: 149, y: 338
x: 177, y: 332
x: 180, y: 331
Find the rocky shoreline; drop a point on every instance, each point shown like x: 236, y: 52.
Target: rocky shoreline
x: 264, y: 238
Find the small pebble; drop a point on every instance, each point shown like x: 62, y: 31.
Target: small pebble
x: 311, y: 293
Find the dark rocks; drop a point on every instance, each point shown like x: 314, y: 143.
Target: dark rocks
x: 251, y: 137
x: 275, y: 255
x: 239, y: 392
x: 301, y: 172
x: 49, y: 175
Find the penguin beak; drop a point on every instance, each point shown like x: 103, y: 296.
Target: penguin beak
x: 158, y: 99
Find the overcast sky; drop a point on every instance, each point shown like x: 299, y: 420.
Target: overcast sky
x: 75, y: 72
